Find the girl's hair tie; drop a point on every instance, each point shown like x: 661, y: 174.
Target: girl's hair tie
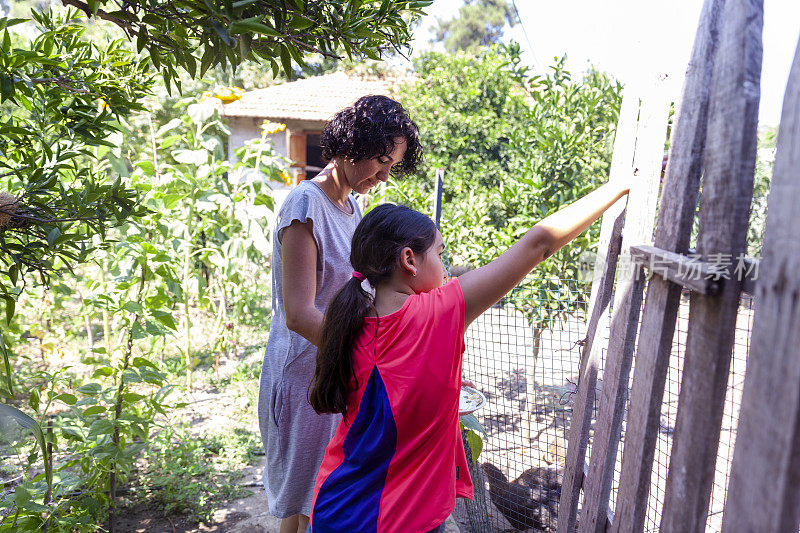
x: 358, y: 275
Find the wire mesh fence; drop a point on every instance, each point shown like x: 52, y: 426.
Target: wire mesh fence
x: 527, y: 366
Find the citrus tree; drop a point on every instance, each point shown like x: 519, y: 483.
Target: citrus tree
x: 515, y: 147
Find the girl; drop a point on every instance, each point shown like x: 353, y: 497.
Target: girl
x: 392, y: 366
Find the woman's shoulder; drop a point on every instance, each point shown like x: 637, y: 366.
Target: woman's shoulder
x: 303, y: 191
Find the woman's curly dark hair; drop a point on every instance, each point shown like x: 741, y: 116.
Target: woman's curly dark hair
x: 367, y: 130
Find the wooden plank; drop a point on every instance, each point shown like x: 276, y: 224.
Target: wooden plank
x: 698, y: 276
x: 605, y: 268
x: 764, y: 488
x: 724, y: 212
x: 639, y: 222
x: 673, y: 230
x: 609, y: 518
x: 587, y: 381
x: 695, y: 275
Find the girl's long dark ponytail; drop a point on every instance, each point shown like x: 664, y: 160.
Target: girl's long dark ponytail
x: 343, y: 321
x: 377, y: 242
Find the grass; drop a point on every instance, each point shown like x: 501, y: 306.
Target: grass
x: 190, y: 476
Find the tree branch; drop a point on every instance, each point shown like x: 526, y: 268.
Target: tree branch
x: 124, y: 24
x: 62, y: 82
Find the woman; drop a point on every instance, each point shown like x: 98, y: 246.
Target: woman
x: 365, y: 143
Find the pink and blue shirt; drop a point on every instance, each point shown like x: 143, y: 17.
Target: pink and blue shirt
x: 397, y: 462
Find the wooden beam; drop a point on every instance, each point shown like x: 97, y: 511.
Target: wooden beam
x: 724, y: 212
x: 764, y: 488
x: 609, y: 517
x: 605, y: 269
x: 639, y: 223
x: 698, y: 276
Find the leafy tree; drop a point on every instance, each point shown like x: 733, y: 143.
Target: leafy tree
x: 64, y: 95
x: 515, y: 148
x: 478, y: 23
x: 278, y: 31
x: 157, y: 222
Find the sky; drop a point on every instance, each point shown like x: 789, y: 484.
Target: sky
x: 632, y: 38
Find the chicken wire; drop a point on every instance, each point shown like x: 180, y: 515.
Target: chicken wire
x: 529, y: 386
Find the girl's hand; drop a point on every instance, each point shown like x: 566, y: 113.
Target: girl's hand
x: 465, y: 383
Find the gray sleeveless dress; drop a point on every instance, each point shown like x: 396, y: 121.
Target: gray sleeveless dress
x: 294, y: 436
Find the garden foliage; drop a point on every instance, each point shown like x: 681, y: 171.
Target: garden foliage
x: 111, y: 218
x: 515, y: 147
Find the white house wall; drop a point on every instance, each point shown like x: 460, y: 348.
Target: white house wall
x: 244, y: 129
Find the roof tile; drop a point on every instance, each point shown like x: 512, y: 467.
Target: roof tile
x: 316, y: 98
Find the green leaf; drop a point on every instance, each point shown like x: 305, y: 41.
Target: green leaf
x: 471, y: 422
x: 24, y: 500
x: 166, y: 319
x: 286, y: 60
x: 90, y: 389
x: 141, y: 41
x: 253, y: 26
x: 147, y: 167
x: 6, y: 87
x: 101, y: 427
x: 132, y: 307
x: 6, y: 364
x: 223, y: 33
x: 52, y: 236
x: 8, y: 412
x: 11, y: 304
x: 140, y: 362
x: 94, y: 410
x: 132, y: 397
x: 34, y: 399
x: 209, y: 57
x: 475, y: 444
x: 67, y: 398
x: 155, y: 57
x: 299, y: 22
x: 103, y: 371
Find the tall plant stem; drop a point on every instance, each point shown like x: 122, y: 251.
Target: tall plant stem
x: 187, y: 259
x: 112, y: 482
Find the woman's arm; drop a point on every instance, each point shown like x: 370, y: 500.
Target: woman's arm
x: 299, y: 252
x: 485, y: 286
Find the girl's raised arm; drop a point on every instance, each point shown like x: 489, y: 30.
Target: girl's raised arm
x: 485, y: 286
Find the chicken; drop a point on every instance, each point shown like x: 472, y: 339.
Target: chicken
x: 546, y: 479
x: 529, y: 501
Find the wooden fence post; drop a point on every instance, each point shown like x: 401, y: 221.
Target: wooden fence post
x: 764, y: 488
x: 639, y: 222
x: 605, y: 269
x: 724, y: 211
x: 676, y: 215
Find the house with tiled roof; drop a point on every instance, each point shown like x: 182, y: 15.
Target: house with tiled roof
x: 305, y: 106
